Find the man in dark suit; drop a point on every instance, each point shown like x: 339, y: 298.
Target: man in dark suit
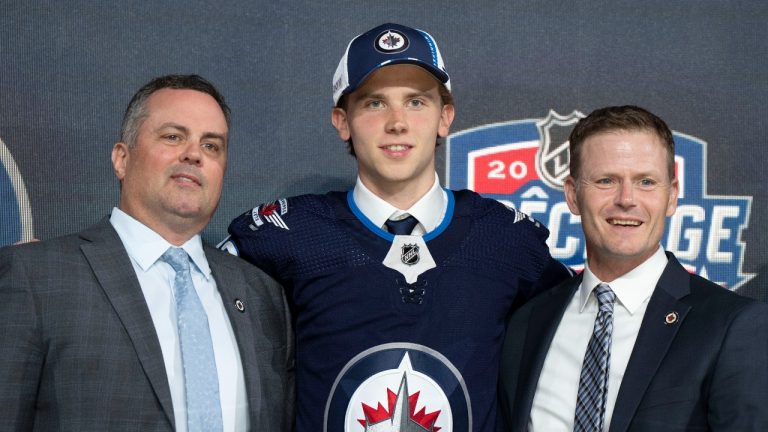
x: 635, y: 342
x: 134, y: 324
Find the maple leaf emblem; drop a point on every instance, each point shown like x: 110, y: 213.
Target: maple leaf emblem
x: 391, y: 40
x: 400, y: 413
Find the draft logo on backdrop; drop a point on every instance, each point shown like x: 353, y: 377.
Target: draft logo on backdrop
x: 15, y: 213
x: 523, y: 164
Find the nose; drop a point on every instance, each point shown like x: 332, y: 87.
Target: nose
x: 396, y: 123
x: 191, y: 153
x: 625, y: 194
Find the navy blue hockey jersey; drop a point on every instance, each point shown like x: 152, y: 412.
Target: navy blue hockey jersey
x: 374, y: 350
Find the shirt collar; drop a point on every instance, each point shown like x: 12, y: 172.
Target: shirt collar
x: 631, y: 289
x: 429, y: 209
x: 146, y: 246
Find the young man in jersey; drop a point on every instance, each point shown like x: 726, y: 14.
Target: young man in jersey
x: 400, y: 288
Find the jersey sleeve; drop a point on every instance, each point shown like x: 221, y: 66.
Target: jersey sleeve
x: 261, y: 237
x: 537, y: 269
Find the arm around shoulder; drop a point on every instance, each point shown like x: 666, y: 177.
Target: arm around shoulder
x: 276, y: 323
x: 22, y: 354
x: 739, y: 391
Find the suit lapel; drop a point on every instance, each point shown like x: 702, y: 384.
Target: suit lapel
x: 653, y: 341
x: 232, y: 287
x: 112, y: 267
x: 543, y: 321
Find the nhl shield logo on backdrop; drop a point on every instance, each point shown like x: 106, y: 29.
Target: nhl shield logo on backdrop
x: 523, y: 163
x: 15, y: 211
x: 401, y: 387
x: 553, y: 156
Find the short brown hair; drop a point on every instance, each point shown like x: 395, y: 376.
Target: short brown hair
x: 137, y: 112
x: 623, y: 118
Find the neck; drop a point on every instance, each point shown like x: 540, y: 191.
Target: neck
x: 608, y: 270
x: 402, y: 195
x: 176, y: 230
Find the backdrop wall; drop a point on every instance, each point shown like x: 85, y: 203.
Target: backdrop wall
x: 69, y: 68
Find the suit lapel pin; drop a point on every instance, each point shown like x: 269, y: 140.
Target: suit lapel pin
x: 240, y: 305
x: 671, y: 318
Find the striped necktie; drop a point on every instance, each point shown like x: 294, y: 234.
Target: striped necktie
x: 593, y: 384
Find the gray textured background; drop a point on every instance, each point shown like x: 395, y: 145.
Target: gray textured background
x: 67, y: 70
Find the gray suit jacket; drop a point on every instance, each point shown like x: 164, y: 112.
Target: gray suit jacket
x: 707, y: 371
x: 79, y: 351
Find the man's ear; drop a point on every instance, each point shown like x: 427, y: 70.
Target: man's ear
x: 674, y: 192
x: 339, y: 120
x: 446, y: 118
x: 120, y: 156
x: 571, y: 197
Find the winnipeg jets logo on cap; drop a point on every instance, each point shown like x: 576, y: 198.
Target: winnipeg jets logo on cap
x: 391, y: 41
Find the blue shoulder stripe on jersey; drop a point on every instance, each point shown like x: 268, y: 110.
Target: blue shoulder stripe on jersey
x: 389, y: 237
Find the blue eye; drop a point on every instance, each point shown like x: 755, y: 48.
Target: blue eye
x: 647, y: 184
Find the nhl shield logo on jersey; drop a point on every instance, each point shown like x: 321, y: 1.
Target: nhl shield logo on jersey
x: 523, y: 163
x: 410, y: 254
x: 400, y: 387
x: 15, y: 211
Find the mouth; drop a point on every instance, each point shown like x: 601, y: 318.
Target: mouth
x: 186, y: 179
x: 396, y: 150
x: 624, y: 222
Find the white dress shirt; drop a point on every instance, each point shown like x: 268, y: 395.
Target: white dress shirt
x: 554, y: 404
x: 156, y: 278
x: 429, y: 210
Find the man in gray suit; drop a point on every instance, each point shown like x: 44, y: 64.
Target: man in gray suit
x: 134, y: 324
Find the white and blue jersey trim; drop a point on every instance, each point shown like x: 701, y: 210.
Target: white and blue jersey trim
x: 390, y: 237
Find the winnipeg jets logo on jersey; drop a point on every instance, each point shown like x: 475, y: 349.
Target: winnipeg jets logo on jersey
x: 399, y: 387
x: 271, y: 213
x: 400, y: 415
x: 522, y: 163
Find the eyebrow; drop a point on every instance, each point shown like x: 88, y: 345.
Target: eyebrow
x: 185, y: 130
x: 416, y: 93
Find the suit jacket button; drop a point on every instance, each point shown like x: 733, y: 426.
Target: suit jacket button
x: 240, y: 305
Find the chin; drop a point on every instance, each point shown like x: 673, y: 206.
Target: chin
x: 189, y: 211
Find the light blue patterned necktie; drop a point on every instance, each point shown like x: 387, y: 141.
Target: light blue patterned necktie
x: 593, y: 384
x: 201, y: 380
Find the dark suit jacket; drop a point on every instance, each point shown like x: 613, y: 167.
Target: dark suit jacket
x: 79, y: 351
x: 707, y: 371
